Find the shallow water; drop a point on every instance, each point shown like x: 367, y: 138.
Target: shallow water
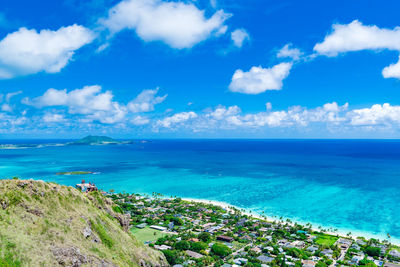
x: 352, y: 185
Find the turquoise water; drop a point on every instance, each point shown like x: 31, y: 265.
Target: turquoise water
x: 352, y: 185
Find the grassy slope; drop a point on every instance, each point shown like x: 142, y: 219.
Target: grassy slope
x: 41, y: 223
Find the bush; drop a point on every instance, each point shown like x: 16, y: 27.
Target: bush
x: 205, y: 237
x: 221, y: 250
x: 182, y: 245
x: 171, y: 256
x: 366, y: 262
x: 373, y: 251
x: 198, y: 246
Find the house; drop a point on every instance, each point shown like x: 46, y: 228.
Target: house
x: 308, y: 263
x: 194, y: 254
x: 157, y: 227
x: 240, y: 261
x: 141, y: 226
x: 312, y: 249
x: 388, y: 264
x: 394, y: 253
x: 265, y: 259
x: 356, y: 259
x: 224, y: 238
x: 162, y: 247
x: 256, y: 250
x: 298, y: 244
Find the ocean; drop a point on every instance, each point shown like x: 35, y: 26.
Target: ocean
x: 350, y: 185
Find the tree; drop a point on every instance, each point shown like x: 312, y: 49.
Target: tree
x: 221, y: 250
x: 205, y: 237
x: 171, y: 256
x: 182, y: 245
x: 373, y: 251
x: 320, y: 264
x: 198, y: 246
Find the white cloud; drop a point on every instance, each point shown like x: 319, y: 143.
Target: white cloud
x: 140, y: 120
x: 385, y: 114
x: 146, y: 101
x: 81, y: 101
x: 28, y: 51
x: 97, y: 105
x: 392, y: 71
x: 11, y: 95
x: 239, y: 36
x: 88, y: 101
x: 268, y: 106
x: 53, y: 118
x: 258, y: 80
x: 287, y: 51
x: 177, y: 118
x: 178, y: 24
x: 355, y: 37
x: 6, y: 107
x: 221, y: 112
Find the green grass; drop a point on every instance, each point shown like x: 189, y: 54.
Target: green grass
x: 326, y: 240
x: 146, y: 234
x: 39, y: 216
x: 102, y: 232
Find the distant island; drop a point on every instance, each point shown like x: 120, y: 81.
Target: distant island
x: 99, y: 140
x: 88, y: 140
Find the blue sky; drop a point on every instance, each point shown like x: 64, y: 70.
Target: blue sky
x: 200, y: 69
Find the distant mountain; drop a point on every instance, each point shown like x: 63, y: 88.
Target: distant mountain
x: 98, y: 140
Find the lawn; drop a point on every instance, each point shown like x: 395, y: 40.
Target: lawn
x: 326, y: 240
x: 146, y: 234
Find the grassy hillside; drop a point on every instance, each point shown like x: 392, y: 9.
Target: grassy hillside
x: 46, y: 224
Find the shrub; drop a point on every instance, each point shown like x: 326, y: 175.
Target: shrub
x: 205, y: 237
x: 198, y: 246
x: 171, y: 256
x: 221, y: 250
x: 182, y: 245
x: 373, y: 251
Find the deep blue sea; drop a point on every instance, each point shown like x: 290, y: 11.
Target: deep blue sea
x: 352, y: 185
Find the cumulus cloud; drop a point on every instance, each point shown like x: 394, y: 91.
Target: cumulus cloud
x: 377, y: 114
x: 146, y: 101
x: 258, y: 80
x: 177, y: 118
x: 392, y: 71
x: 90, y: 101
x: 288, y: 51
x: 82, y: 101
x: 355, y: 37
x: 140, y: 120
x: 178, y: 24
x: 53, y: 118
x: 27, y: 51
x: 232, y: 117
x: 239, y: 36
x: 98, y: 105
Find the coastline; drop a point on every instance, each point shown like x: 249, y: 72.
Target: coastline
x: 340, y: 232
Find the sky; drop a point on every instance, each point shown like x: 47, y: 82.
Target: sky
x: 200, y: 69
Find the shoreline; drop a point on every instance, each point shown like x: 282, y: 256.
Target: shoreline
x: 340, y: 232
